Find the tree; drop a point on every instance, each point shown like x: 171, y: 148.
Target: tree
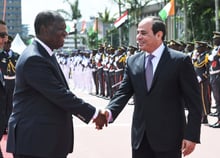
x: 92, y: 38
x: 73, y: 16
x: 198, y: 20
x: 74, y: 13
x: 201, y: 15
x: 107, y: 22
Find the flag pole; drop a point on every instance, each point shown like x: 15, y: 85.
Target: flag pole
x: 175, y: 30
x: 4, y: 10
x: 120, y: 33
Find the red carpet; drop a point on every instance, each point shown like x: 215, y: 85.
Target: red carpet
x: 3, y: 147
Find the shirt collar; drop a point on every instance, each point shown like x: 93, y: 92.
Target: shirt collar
x: 49, y: 51
x: 157, y: 52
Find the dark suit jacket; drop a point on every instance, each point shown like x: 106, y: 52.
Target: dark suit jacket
x: 159, y: 112
x: 41, y: 121
x: 2, y: 105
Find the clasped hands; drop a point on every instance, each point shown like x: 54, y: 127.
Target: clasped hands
x: 101, y: 119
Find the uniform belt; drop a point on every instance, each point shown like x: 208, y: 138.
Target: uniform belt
x: 6, y: 77
x: 100, y: 67
x: 118, y: 70
x: 214, y: 72
x: 94, y: 69
x: 111, y: 70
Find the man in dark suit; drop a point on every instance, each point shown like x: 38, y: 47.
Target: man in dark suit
x: 3, y: 39
x: 41, y: 121
x: 159, y: 127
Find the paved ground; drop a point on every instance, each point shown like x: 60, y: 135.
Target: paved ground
x: 114, y: 141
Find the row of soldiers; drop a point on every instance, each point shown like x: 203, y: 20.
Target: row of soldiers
x: 206, y: 61
x: 104, y: 65
x: 108, y: 68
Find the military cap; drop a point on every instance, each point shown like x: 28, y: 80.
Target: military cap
x: 132, y: 47
x: 190, y: 44
x: 112, y: 48
x: 122, y: 48
x: 216, y: 34
x: 199, y: 44
x: 174, y: 42
x: 209, y: 46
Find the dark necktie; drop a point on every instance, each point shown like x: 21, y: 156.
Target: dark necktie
x: 149, y: 71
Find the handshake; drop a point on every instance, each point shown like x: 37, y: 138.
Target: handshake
x: 101, y: 119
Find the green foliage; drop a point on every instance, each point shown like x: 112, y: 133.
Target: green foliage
x: 92, y: 38
x: 74, y: 14
x: 201, y: 19
x: 105, y: 17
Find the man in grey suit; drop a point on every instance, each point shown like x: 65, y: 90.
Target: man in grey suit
x: 159, y: 128
x: 40, y: 125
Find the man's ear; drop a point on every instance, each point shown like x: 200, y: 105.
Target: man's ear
x: 159, y: 35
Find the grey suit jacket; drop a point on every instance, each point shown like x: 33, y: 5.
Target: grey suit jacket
x: 159, y: 112
x: 41, y: 121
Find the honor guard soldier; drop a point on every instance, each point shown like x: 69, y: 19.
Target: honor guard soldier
x: 98, y: 60
x: 120, y: 61
x: 201, y: 66
x: 63, y: 59
x: 112, y: 69
x: 190, y: 48
x: 8, y: 61
x: 94, y: 70
x: 214, y: 58
x: 105, y: 63
x: 182, y: 46
x: 131, y: 51
x: 87, y: 72
x: 175, y: 45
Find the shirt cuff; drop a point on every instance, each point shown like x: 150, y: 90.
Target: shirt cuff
x: 110, y: 119
x: 95, y: 114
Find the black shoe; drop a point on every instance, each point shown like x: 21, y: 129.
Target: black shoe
x: 215, y: 114
x: 216, y: 125
x: 100, y: 95
x: 214, y: 107
x: 106, y: 97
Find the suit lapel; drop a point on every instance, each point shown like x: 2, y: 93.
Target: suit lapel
x: 55, y: 64
x: 160, y: 67
x: 59, y: 70
x: 141, y: 67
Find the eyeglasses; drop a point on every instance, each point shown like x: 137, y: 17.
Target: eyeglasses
x: 3, y: 34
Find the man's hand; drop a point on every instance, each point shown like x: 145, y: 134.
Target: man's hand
x: 187, y: 147
x: 101, y: 119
